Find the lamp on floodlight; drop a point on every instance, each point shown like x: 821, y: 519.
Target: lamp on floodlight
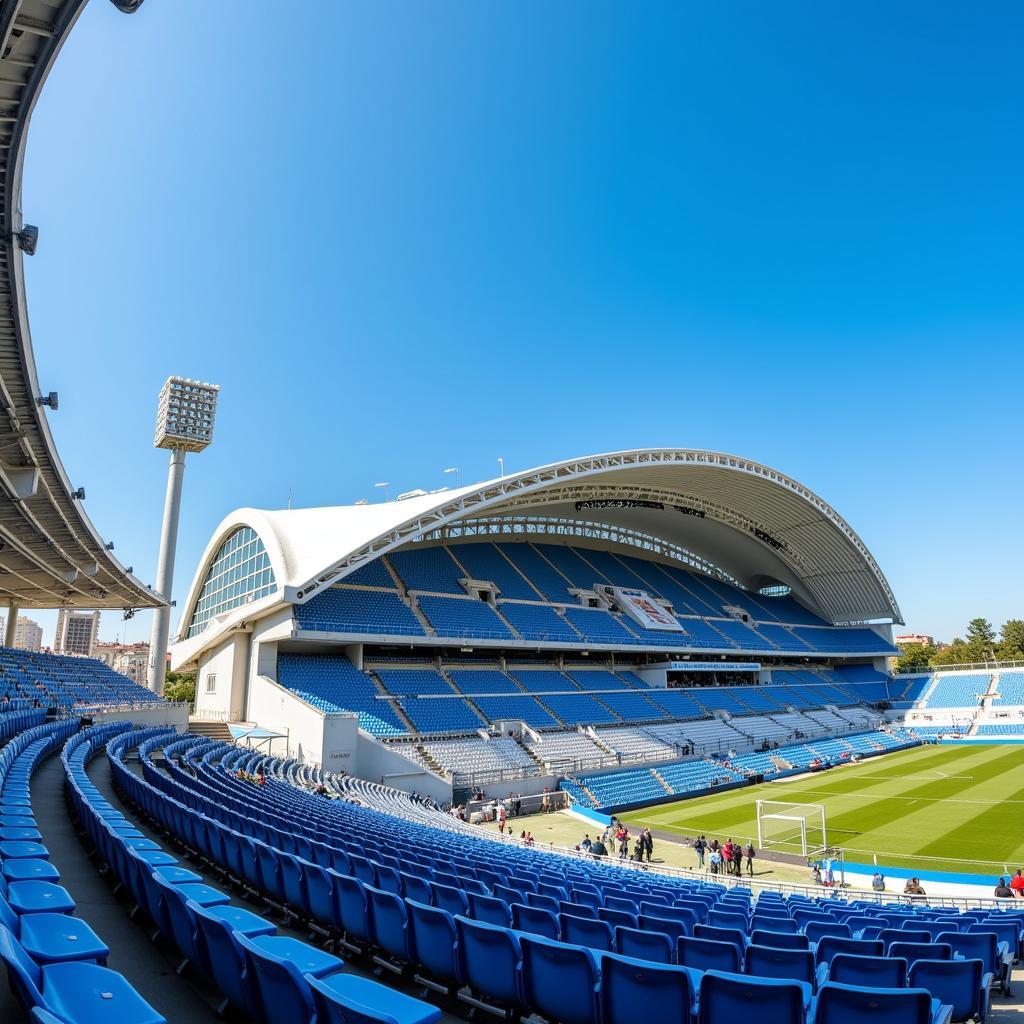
x: 27, y: 239
x: 184, y: 423
x: 386, y: 484
x: 455, y: 470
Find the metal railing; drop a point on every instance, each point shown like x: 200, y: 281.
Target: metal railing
x: 972, y: 666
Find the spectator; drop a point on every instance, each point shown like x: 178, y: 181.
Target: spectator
x: 646, y: 845
x: 1017, y: 884
x: 586, y: 845
x: 698, y: 848
x: 715, y: 861
x: 517, y: 805
x: 1003, y: 891
x: 914, y: 888
x: 878, y: 882
x: 750, y: 853
x: 737, y: 859
x: 598, y: 849
x: 816, y: 874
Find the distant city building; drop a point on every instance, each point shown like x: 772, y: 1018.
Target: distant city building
x: 130, y: 660
x: 76, y: 632
x: 28, y: 634
x: 915, y: 638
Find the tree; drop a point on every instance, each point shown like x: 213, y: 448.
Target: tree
x: 957, y: 653
x: 180, y: 686
x: 914, y: 657
x: 1011, y: 644
x: 981, y: 639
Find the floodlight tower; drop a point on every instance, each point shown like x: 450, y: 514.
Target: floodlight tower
x: 184, y: 423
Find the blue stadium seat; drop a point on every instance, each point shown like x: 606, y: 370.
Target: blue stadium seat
x: 581, y: 931
x: 708, y: 954
x: 535, y: 921
x: 560, y: 981
x: 771, y: 962
x: 628, y: 984
x: 845, y: 1004
x: 435, y: 942
x: 869, y: 971
x: 736, y: 997
x: 73, y: 990
x: 639, y: 944
x: 961, y: 984
x: 276, y: 966
x: 54, y: 938
x: 349, y: 999
x: 490, y: 959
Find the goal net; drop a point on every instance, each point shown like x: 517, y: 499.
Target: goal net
x: 791, y: 828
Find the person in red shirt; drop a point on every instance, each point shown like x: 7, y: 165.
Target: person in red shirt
x: 1017, y: 884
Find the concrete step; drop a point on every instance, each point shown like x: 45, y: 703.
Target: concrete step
x: 212, y: 730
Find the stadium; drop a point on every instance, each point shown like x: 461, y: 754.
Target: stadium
x: 416, y: 720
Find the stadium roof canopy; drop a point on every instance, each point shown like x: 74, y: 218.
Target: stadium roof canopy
x: 720, y: 514
x: 50, y: 553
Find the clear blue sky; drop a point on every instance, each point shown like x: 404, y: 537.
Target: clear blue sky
x: 409, y: 236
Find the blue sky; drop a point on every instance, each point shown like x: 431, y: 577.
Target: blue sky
x: 404, y: 237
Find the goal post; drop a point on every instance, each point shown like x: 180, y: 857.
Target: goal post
x: 791, y: 828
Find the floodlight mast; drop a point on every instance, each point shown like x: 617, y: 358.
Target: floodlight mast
x: 184, y: 423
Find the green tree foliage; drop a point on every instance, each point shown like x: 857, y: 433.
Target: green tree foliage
x: 180, y: 686
x: 981, y: 639
x: 915, y: 657
x: 1011, y: 641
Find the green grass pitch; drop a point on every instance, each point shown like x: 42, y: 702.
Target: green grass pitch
x: 947, y: 808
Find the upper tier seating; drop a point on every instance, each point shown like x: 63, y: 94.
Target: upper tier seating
x: 599, y: 627
x: 538, y: 622
x: 783, y: 639
x: 544, y: 681
x: 485, y: 562
x: 333, y: 684
x: 467, y: 617
x: 30, y: 679
x: 522, y: 708
x: 473, y: 681
x: 371, y: 574
x: 428, y: 568
x: 341, y: 610
x: 551, y: 583
x: 1010, y: 686
x: 839, y: 641
x: 412, y: 682
x: 958, y: 690
x: 441, y: 714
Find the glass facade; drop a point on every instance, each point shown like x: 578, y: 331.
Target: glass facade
x: 240, y: 573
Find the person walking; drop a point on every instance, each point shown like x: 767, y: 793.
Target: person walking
x: 715, y: 860
x: 750, y: 853
x: 648, y: 844
x: 698, y: 848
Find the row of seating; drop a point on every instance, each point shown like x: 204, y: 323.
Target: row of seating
x: 268, y: 976
x: 54, y: 960
x: 429, y: 926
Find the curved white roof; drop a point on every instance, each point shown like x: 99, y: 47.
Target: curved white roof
x: 743, y: 519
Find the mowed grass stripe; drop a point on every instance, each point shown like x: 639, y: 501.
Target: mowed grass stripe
x: 737, y: 809
x: 921, y: 831
x: 888, y: 806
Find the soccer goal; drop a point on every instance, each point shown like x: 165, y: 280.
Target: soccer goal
x: 792, y: 828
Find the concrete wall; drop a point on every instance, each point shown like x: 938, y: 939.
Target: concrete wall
x: 379, y: 764
x: 174, y: 715
x: 227, y: 663
x: 273, y: 707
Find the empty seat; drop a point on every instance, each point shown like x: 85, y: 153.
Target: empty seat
x: 771, y: 962
x: 708, y: 954
x: 560, y: 980
x: 961, y: 984
x: 349, y: 999
x: 841, y: 1004
x: 628, y: 984
x: 737, y: 997
x: 869, y: 971
x: 490, y: 957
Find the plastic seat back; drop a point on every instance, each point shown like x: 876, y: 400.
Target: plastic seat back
x: 831, y: 945
x: 771, y: 962
x: 643, y: 945
x: 617, y: 917
x: 911, y: 951
x: 869, y: 971
x: 957, y: 983
x: 351, y: 907
x: 733, y: 935
x: 560, y: 980
x: 490, y: 959
x: 841, y: 1004
x: 888, y: 936
x: 349, y: 999
x: 447, y: 898
x: 674, y: 929
x: 815, y: 930
x: 279, y: 993
x: 971, y: 945
x: 534, y: 920
x: 726, y: 919
x: 389, y: 927
x: 489, y: 910
x: 627, y: 984
x: 707, y: 954
x: 737, y: 997
x: 780, y: 940
x: 774, y: 923
x: 585, y: 931
x: 221, y: 958
x: 434, y: 940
